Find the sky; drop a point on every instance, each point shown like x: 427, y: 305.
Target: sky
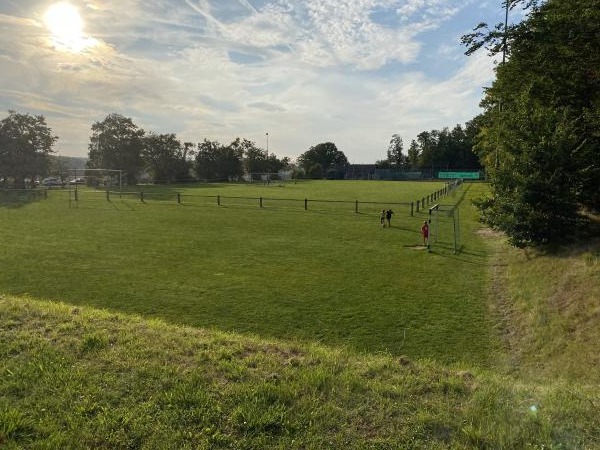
x: 286, y: 74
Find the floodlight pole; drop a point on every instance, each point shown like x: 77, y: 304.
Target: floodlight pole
x: 267, y: 134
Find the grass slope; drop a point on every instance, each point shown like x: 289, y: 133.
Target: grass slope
x: 80, y: 378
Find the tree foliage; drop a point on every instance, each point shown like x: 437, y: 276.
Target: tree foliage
x: 498, y: 38
x: 323, y: 159
x: 445, y: 149
x: 117, y: 143
x: 26, y: 143
x: 394, y: 153
x: 539, y: 134
x: 166, y: 158
x: 217, y: 162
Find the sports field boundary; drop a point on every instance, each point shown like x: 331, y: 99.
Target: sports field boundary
x: 357, y: 206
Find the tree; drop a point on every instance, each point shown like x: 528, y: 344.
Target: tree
x: 25, y: 146
x: 499, y: 38
x: 116, y: 143
x: 331, y: 161
x: 165, y: 158
x: 217, y: 162
x: 394, y: 153
x: 539, y: 135
x: 413, y: 155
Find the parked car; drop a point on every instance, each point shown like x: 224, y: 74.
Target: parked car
x: 49, y: 182
x: 77, y: 181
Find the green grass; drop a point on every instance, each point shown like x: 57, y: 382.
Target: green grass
x: 334, y: 277
x: 551, y: 302
x: 161, y: 325
x: 77, y: 378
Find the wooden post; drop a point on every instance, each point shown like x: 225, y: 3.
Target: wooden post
x: 305, y: 204
x: 356, y: 207
x: 178, y: 198
x: 107, y: 195
x: 417, y: 205
x: 260, y: 202
x: 412, y: 209
x: 218, y: 200
x: 141, y: 196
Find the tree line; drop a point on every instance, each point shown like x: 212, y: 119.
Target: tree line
x: 443, y: 149
x: 26, y: 144
x: 539, y: 134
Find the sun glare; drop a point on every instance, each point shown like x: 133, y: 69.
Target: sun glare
x: 66, y: 26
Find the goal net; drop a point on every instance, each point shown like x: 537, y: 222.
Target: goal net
x: 444, y: 227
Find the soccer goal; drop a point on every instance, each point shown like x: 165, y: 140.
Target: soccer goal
x: 444, y: 226
x: 105, y: 178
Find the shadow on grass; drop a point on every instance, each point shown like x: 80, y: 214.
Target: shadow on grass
x: 16, y: 198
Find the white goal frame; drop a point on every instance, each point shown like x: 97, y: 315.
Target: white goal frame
x: 434, y: 224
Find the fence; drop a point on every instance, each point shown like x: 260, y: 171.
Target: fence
x: 356, y: 206
x: 9, y: 196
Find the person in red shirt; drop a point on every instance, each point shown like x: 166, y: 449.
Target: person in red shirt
x: 425, y: 233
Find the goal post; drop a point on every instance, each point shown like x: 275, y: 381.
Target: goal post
x: 444, y: 226
x: 99, y: 177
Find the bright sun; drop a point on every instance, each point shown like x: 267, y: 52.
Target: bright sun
x: 65, y: 24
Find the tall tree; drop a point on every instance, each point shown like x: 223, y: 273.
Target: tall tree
x: 116, y: 143
x: 326, y: 157
x: 394, y: 152
x: 165, y: 158
x: 540, y: 136
x: 413, y: 155
x: 217, y: 162
x: 25, y: 145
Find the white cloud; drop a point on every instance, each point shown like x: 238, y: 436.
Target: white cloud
x: 349, y: 71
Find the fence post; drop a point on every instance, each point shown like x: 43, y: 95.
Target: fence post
x: 417, y: 205
x: 107, y: 195
x: 356, y: 207
x: 412, y: 209
x: 218, y: 200
x: 141, y: 196
x: 260, y: 202
x: 76, y: 195
x: 305, y: 204
x: 178, y: 198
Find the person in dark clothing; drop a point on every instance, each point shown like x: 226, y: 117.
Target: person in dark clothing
x: 388, y: 217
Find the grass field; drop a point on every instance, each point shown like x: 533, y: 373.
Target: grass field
x: 330, y: 276
x: 152, y: 325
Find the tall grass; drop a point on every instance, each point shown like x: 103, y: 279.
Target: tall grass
x: 77, y: 378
